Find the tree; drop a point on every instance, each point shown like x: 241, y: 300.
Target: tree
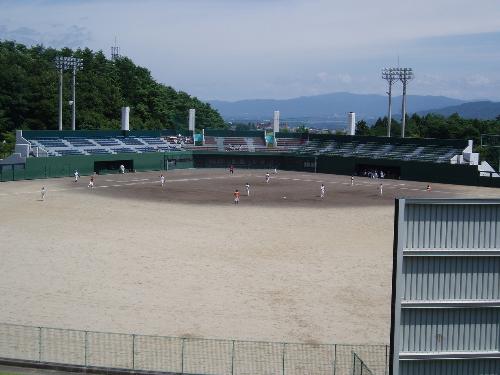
x: 362, y: 128
x: 29, y: 93
x: 302, y: 129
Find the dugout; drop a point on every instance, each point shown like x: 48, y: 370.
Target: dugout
x: 393, y: 172
x: 112, y: 166
x: 252, y: 160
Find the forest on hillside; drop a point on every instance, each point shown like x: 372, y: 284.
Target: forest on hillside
x: 29, y: 93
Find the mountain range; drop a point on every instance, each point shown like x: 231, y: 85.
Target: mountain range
x: 483, y: 110
x: 321, y: 108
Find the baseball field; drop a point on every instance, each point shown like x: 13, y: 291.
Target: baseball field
x: 183, y: 260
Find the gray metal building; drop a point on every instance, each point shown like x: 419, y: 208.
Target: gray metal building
x: 446, y: 287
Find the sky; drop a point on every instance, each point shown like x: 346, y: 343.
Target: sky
x: 245, y: 49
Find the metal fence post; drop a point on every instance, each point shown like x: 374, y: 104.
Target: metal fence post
x: 232, y: 359
x: 334, y: 358
x: 386, y: 358
x: 39, y: 344
x: 284, y: 350
x: 133, y: 352
x: 182, y: 356
x: 85, y: 349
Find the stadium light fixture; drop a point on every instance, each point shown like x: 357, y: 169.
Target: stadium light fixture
x: 63, y: 63
x: 391, y: 75
x: 405, y: 76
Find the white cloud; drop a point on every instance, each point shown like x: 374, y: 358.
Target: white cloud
x: 236, y: 49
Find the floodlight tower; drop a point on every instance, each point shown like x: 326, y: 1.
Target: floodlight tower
x: 115, y: 51
x: 64, y: 63
x: 405, y: 75
x: 391, y: 76
x: 60, y: 62
x: 76, y: 64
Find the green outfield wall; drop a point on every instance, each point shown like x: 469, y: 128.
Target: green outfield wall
x: 65, y: 166
x: 407, y: 170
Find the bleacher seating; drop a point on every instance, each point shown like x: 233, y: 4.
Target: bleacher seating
x: 234, y: 141
x: 79, y: 142
x: 131, y: 141
x: 289, y: 143
x: 53, y: 146
x: 374, y: 148
x: 209, y: 140
x: 147, y: 149
x: 370, y: 149
x: 169, y: 147
x: 97, y: 151
x: 124, y: 150
x: 52, y: 142
x: 70, y: 151
x: 153, y: 141
x: 107, y: 142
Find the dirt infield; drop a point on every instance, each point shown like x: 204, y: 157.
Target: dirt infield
x: 182, y: 260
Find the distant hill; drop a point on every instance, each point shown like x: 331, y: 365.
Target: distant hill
x: 484, y: 110
x: 334, y: 105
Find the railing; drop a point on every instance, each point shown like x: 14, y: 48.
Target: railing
x: 359, y: 367
x: 87, y: 349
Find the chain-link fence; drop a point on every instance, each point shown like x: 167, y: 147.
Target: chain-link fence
x: 185, y: 355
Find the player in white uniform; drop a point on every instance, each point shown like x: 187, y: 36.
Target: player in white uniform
x: 381, y: 187
x: 352, y: 180
x: 91, y: 182
x: 322, y: 190
x: 162, y: 180
x: 268, y: 177
x: 77, y: 175
x: 122, y: 169
x: 247, y: 186
x: 43, y: 192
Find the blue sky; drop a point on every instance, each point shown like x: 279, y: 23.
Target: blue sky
x: 238, y: 49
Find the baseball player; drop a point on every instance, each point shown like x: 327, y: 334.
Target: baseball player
x: 247, y: 186
x: 236, y: 195
x: 77, y: 175
x: 322, y: 191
